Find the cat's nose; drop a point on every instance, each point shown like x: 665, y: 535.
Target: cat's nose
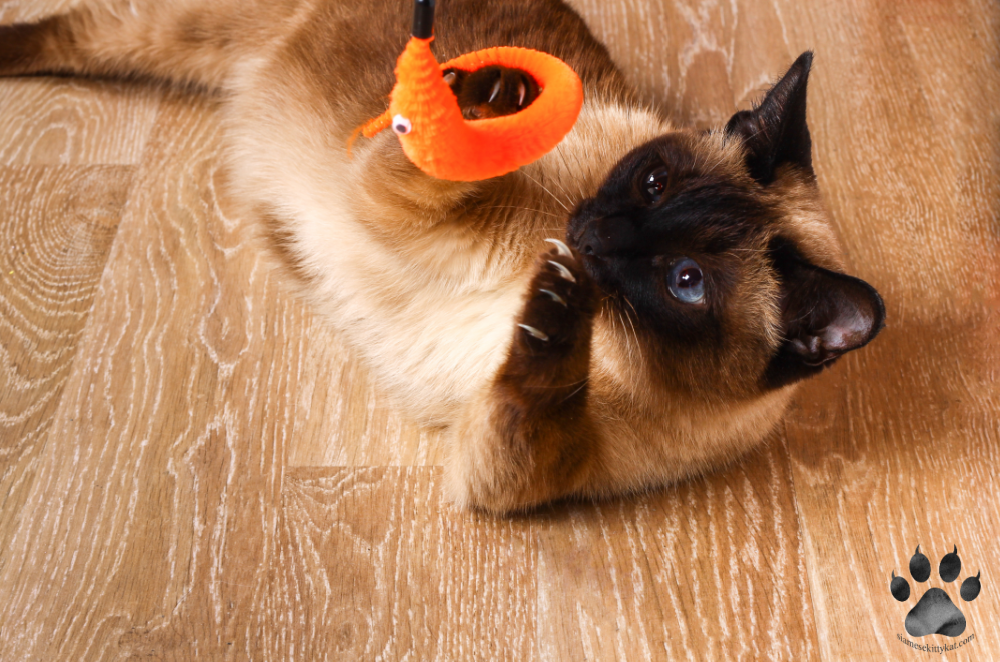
x: 604, y: 236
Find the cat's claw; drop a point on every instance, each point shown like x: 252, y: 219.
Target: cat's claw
x: 559, y: 307
x: 561, y: 247
x: 555, y: 297
x: 563, y: 271
x: 534, y: 333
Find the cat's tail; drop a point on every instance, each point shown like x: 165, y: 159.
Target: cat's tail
x: 183, y: 41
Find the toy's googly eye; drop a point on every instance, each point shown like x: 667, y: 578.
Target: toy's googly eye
x: 401, y: 125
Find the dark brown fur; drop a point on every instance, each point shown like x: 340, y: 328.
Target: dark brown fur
x: 24, y: 47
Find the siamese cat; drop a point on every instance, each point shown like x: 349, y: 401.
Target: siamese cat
x: 631, y: 309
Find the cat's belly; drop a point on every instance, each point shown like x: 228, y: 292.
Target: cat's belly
x: 431, y: 349
x: 430, y: 343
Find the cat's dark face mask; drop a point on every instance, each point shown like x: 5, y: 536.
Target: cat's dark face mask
x: 694, y: 250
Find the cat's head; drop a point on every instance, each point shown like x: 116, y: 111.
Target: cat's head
x: 715, y: 253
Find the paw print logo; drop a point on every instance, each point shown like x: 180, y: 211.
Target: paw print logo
x: 935, y: 613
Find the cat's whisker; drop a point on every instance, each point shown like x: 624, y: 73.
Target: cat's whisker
x: 716, y: 165
x: 581, y: 182
x: 562, y: 157
x: 555, y: 180
x: 628, y: 343
x: 537, y: 211
x: 569, y: 171
x: 569, y: 196
x: 615, y: 320
x: 554, y: 386
x: 577, y: 389
x: 542, y: 186
x: 635, y: 336
x: 634, y: 333
x: 625, y: 298
x: 620, y: 321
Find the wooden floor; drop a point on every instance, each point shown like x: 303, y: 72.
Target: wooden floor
x: 193, y: 468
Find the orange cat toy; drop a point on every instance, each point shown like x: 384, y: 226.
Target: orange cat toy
x: 424, y: 112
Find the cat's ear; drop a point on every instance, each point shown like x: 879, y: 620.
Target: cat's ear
x: 775, y: 131
x: 825, y: 314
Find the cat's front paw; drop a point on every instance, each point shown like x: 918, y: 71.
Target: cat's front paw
x: 492, y: 91
x: 532, y: 434
x: 560, y: 306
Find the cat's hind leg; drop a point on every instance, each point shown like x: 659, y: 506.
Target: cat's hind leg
x: 182, y: 41
x: 26, y: 48
x: 529, y: 437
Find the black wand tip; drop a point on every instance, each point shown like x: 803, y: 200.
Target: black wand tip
x: 423, y: 19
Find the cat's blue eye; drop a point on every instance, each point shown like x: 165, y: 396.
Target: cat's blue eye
x: 687, y: 281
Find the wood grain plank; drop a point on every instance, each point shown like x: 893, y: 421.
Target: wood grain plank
x: 709, y: 570
x: 60, y: 121
x: 898, y: 445
x: 696, y: 60
x: 346, y: 421
x: 884, y: 465
x: 53, y: 121
x: 905, y: 144
x: 148, y: 529
x: 161, y: 523
x: 56, y: 229
x: 372, y: 565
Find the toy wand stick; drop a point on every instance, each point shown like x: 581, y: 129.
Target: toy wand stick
x: 423, y: 19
